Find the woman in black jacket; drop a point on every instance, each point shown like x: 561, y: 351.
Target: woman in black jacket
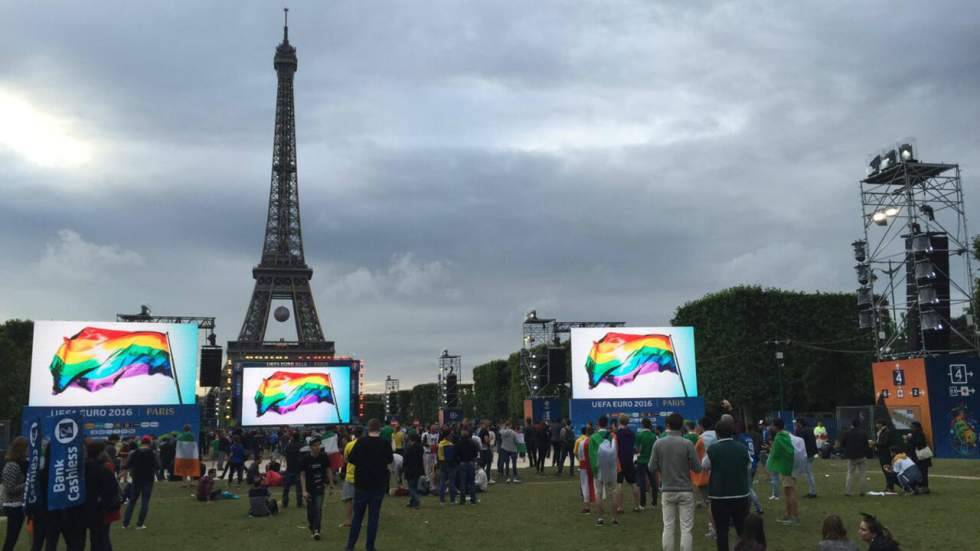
x: 101, y: 496
x: 413, y: 468
x: 917, y: 443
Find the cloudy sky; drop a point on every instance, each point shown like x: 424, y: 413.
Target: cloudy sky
x: 461, y: 163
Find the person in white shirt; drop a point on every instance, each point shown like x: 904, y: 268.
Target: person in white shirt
x: 430, y: 445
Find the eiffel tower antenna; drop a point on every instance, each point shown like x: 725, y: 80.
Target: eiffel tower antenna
x: 283, y: 273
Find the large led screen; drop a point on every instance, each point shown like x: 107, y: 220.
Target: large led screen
x: 284, y: 395
x: 90, y: 363
x: 633, y: 362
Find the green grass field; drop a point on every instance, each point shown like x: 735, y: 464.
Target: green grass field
x: 543, y: 512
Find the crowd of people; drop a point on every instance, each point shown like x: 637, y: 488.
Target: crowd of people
x: 679, y: 467
x: 712, y: 465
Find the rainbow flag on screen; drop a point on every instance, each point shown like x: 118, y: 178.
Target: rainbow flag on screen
x: 283, y: 391
x: 619, y: 358
x: 96, y: 358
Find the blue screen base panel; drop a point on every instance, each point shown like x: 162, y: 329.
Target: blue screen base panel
x: 100, y: 422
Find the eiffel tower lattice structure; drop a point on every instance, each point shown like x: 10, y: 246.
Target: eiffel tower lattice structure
x: 283, y: 273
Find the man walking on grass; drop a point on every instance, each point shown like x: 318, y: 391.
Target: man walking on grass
x: 856, y: 449
x: 293, y: 464
x: 371, y: 455
x: 313, y: 478
x: 728, y: 462
x: 142, y: 465
x: 645, y: 438
x: 671, y: 462
x: 603, y: 458
x: 780, y: 462
x: 626, y: 479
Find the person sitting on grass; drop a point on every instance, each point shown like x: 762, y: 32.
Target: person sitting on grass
x: 835, y: 536
x: 259, y: 502
x: 906, y: 471
x: 753, y: 536
x: 205, y: 487
x: 253, y: 473
x: 876, y: 535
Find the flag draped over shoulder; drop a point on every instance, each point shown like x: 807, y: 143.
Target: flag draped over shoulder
x: 283, y: 391
x: 96, y: 358
x: 330, y: 445
x: 619, y: 358
x: 781, y: 454
x: 186, y: 461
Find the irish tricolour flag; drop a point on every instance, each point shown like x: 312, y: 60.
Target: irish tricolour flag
x: 186, y: 461
x: 329, y: 443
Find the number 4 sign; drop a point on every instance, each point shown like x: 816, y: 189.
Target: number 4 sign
x: 958, y: 375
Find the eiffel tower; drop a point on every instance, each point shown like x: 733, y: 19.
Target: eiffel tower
x: 283, y: 273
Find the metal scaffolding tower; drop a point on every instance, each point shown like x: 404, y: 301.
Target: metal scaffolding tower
x: 538, y: 335
x: 914, y: 263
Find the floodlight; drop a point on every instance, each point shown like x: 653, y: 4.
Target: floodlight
x: 906, y: 152
x: 880, y: 218
x: 892, y: 157
x: 891, y: 211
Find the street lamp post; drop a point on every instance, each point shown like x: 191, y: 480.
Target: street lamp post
x: 780, y: 364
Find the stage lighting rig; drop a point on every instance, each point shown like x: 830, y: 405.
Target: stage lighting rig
x: 914, y: 222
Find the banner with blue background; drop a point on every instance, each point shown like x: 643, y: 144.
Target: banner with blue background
x: 954, y: 406
x: 66, y: 469
x: 101, y: 422
x: 35, y: 447
x: 657, y: 409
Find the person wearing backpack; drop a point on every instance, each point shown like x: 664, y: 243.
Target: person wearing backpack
x: 603, y: 455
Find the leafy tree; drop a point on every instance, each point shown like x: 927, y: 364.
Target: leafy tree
x: 16, y: 338
x: 374, y: 407
x: 827, y: 358
x: 517, y: 390
x: 491, y: 385
x: 425, y: 398
x: 467, y: 400
x: 405, y: 411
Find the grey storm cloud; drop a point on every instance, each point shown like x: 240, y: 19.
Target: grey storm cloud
x: 461, y: 163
